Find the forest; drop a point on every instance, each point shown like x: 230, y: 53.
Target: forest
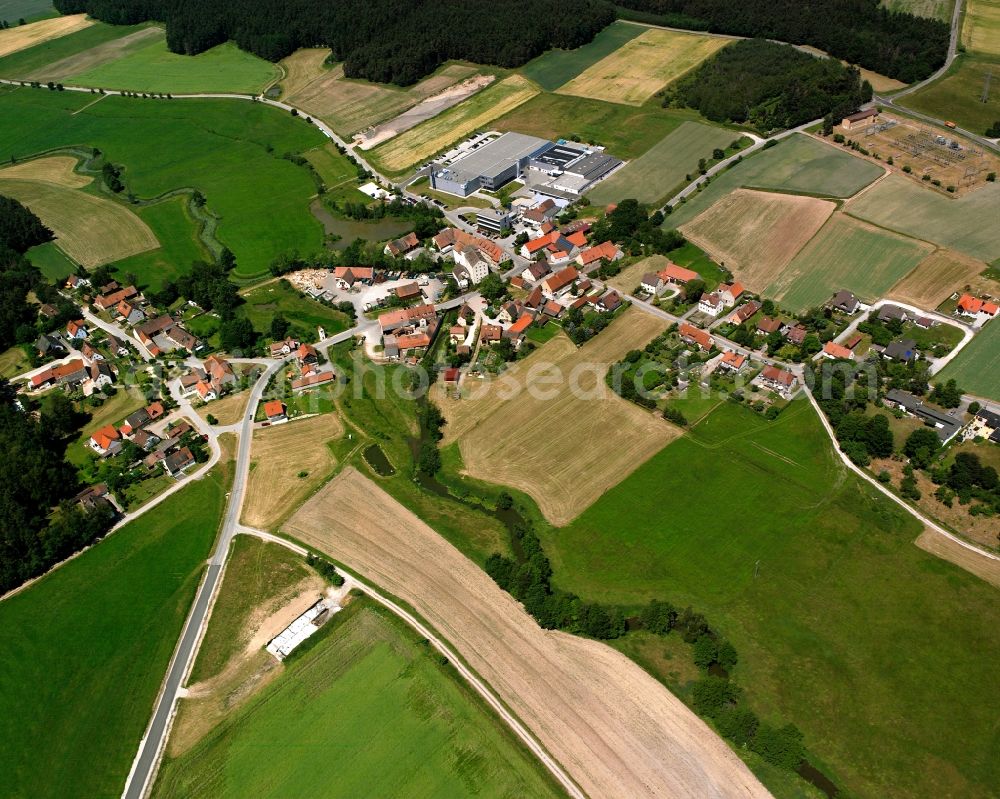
x: 390, y: 41
x: 861, y: 32
x: 770, y: 86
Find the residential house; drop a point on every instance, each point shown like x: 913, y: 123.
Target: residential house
x: 837, y: 352
x: 419, y: 315
x: 105, y: 441
x: 541, y: 213
x: 135, y: 421
x: 556, y: 247
x: 889, y: 313
x: 205, y: 391
x: 517, y: 330
x: 768, y: 325
x: 280, y: 349
x: 446, y: 240
x: 77, y: 329
x: 470, y: 266
x: 559, y: 283
x: 101, y: 374
x: 490, y: 334
x: 114, y: 295
x: 456, y: 334
x: 845, y: 301
x: 606, y: 251
x: 535, y: 271
x: 451, y: 376
x: 306, y: 354
x: 275, y: 411
x: 49, y: 345
x: 93, y: 498
x: 48, y: 311
x: 695, y: 335
x: 70, y: 373
x: 985, y: 424
x: 219, y: 374
x: 177, y: 462
x: 744, y: 312
x: 89, y: 353
x: 730, y: 293
x: 945, y: 425
x: 410, y: 342
x: 518, y: 282
x: 510, y: 311
x: 402, y: 246
x: 535, y: 300
x: 76, y: 282
x: 466, y: 316
x: 902, y: 349
x: 732, y: 361
x: 552, y: 309
x: 973, y: 306
x: 796, y: 334
x: 163, y: 334
x: 145, y: 439
x: 711, y: 304
x: 610, y: 301
x: 776, y: 379
x: 129, y: 313
x: 116, y: 346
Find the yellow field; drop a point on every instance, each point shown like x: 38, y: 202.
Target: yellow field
x: 301, y: 68
x: 425, y: 140
x: 938, y: 275
x: 228, y: 410
x: 56, y: 169
x: 349, y: 106
x: 24, y: 36
x: 981, y: 28
x: 756, y: 234
x: 641, y: 67
x: 562, y: 446
x: 278, y: 455
x: 90, y: 230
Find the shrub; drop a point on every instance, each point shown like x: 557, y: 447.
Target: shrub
x: 712, y: 694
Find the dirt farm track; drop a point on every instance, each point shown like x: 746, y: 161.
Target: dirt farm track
x: 611, y: 726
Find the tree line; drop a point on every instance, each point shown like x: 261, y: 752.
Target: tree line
x: 391, y: 41
x: 770, y: 86
x: 863, y: 32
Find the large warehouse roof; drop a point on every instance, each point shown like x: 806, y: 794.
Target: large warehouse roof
x: 493, y: 158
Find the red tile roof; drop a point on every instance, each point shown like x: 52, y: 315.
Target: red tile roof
x: 313, y: 380
x: 105, y: 436
x: 776, y: 375
x: 520, y: 325
x: 695, y: 334
x: 677, y: 274
x: 274, y: 408
x: 835, y: 350
x: 606, y: 249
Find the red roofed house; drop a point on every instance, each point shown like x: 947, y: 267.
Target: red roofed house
x: 275, y: 411
x: 672, y: 273
x: 205, y: 391
x: 610, y: 302
x: 695, y: 335
x: 973, y: 306
x: 416, y: 315
x: 837, y: 352
x: 452, y: 375
x: 76, y: 329
x: 777, y: 379
x: 306, y: 353
x: 312, y: 380
x: 744, y: 312
x: 711, y: 304
x: 560, y: 282
x: 130, y: 313
x: 592, y: 257
x: 730, y: 293
x: 769, y: 325
x: 282, y: 348
x: 105, y: 441
x: 73, y: 371
x: 347, y: 276
x: 733, y: 362
x: 552, y: 308
x: 517, y: 330
x: 403, y: 245
x: 490, y: 333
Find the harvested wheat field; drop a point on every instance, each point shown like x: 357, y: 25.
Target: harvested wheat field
x: 90, y: 230
x: 611, y: 726
x: 278, y: 456
x: 228, y: 410
x: 349, y: 106
x: 518, y: 430
x: 301, y: 68
x: 756, y: 234
x: 425, y: 140
x: 642, y: 66
x: 56, y: 169
x: 24, y: 36
x: 937, y: 276
x: 985, y: 568
x: 631, y: 276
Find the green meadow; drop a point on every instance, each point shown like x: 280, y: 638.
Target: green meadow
x: 555, y: 67
x: 86, y: 648
x: 368, y: 710
x: 153, y: 68
x: 958, y: 95
x: 977, y: 367
x: 797, y: 164
x: 32, y: 62
x: 177, y: 232
x: 875, y: 649
x: 52, y: 261
x: 265, y: 302
x: 13, y: 10
x: 230, y: 150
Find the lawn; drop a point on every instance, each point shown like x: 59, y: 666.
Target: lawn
x: 32, y: 63
x: 626, y: 131
x: 977, y: 367
x: 177, y: 231
x: 264, y: 302
x: 153, y: 68
x: 847, y: 254
x: 87, y: 647
x: 476, y: 113
x: 655, y: 174
x: 634, y: 72
x: 368, y: 710
x: 14, y: 362
x: 337, y: 172
x: 230, y: 150
x: 799, y: 164
x: 957, y: 95
x: 843, y: 627
x: 967, y: 224
x: 555, y: 67
x: 52, y: 261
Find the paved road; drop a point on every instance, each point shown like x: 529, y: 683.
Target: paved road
x: 143, y: 767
